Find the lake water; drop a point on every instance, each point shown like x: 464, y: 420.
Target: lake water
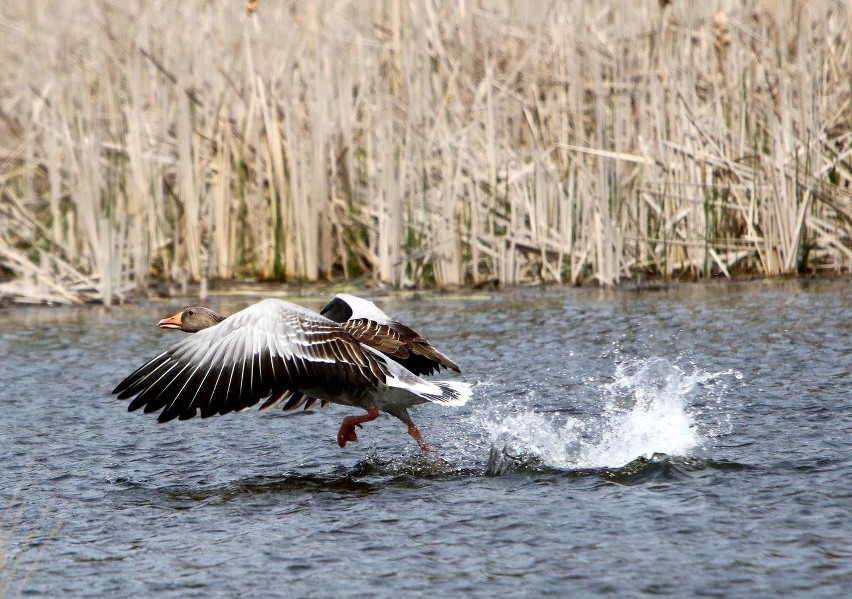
x: 694, y: 441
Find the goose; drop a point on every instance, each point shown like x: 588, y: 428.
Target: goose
x: 271, y: 351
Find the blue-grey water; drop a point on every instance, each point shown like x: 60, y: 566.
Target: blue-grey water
x: 689, y: 442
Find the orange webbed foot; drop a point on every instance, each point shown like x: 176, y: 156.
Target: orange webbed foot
x: 346, y: 432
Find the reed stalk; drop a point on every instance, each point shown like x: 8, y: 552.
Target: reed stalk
x: 420, y: 143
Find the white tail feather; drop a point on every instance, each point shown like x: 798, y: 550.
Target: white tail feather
x: 448, y: 393
x: 453, y: 393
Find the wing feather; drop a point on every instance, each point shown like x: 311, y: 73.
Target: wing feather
x: 266, y: 352
x: 401, y: 343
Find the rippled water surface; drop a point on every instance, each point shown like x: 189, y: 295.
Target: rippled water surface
x: 682, y: 442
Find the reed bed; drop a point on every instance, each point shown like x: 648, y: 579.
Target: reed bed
x: 420, y: 143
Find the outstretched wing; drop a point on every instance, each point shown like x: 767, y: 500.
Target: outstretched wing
x: 401, y: 343
x: 258, y: 353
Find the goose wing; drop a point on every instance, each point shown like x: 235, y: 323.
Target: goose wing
x: 262, y: 352
x: 401, y: 343
x: 292, y: 400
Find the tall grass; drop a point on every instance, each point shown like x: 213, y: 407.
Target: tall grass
x: 421, y: 143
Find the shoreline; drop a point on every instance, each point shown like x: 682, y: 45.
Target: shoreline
x: 224, y: 291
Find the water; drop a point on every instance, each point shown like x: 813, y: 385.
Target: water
x: 695, y: 441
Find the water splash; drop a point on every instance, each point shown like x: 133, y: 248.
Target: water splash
x: 651, y: 407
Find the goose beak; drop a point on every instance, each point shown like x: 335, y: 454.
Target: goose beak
x: 172, y: 322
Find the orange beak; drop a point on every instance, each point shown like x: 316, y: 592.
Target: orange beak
x: 172, y: 322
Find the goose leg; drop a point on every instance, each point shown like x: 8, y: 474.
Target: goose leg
x: 415, y: 432
x: 347, y: 427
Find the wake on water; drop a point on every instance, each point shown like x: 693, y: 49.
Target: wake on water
x: 651, y: 406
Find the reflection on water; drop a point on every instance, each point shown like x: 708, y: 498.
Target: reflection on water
x: 368, y: 476
x: 710, y: 423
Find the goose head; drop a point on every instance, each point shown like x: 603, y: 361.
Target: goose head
x: 192, y: 320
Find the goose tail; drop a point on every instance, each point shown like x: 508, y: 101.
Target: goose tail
x: 453, y: 393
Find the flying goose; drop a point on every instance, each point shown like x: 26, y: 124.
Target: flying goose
x: 270, y: 351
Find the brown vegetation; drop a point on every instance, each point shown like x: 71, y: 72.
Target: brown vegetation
x: 423, y: 142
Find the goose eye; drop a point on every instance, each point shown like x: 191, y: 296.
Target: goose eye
x: 190, y: 312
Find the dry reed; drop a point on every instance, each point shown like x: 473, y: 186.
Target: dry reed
x: 423, y: 143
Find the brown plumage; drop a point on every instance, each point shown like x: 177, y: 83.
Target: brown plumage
x: 401, y: 343
x: 369, y: 325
